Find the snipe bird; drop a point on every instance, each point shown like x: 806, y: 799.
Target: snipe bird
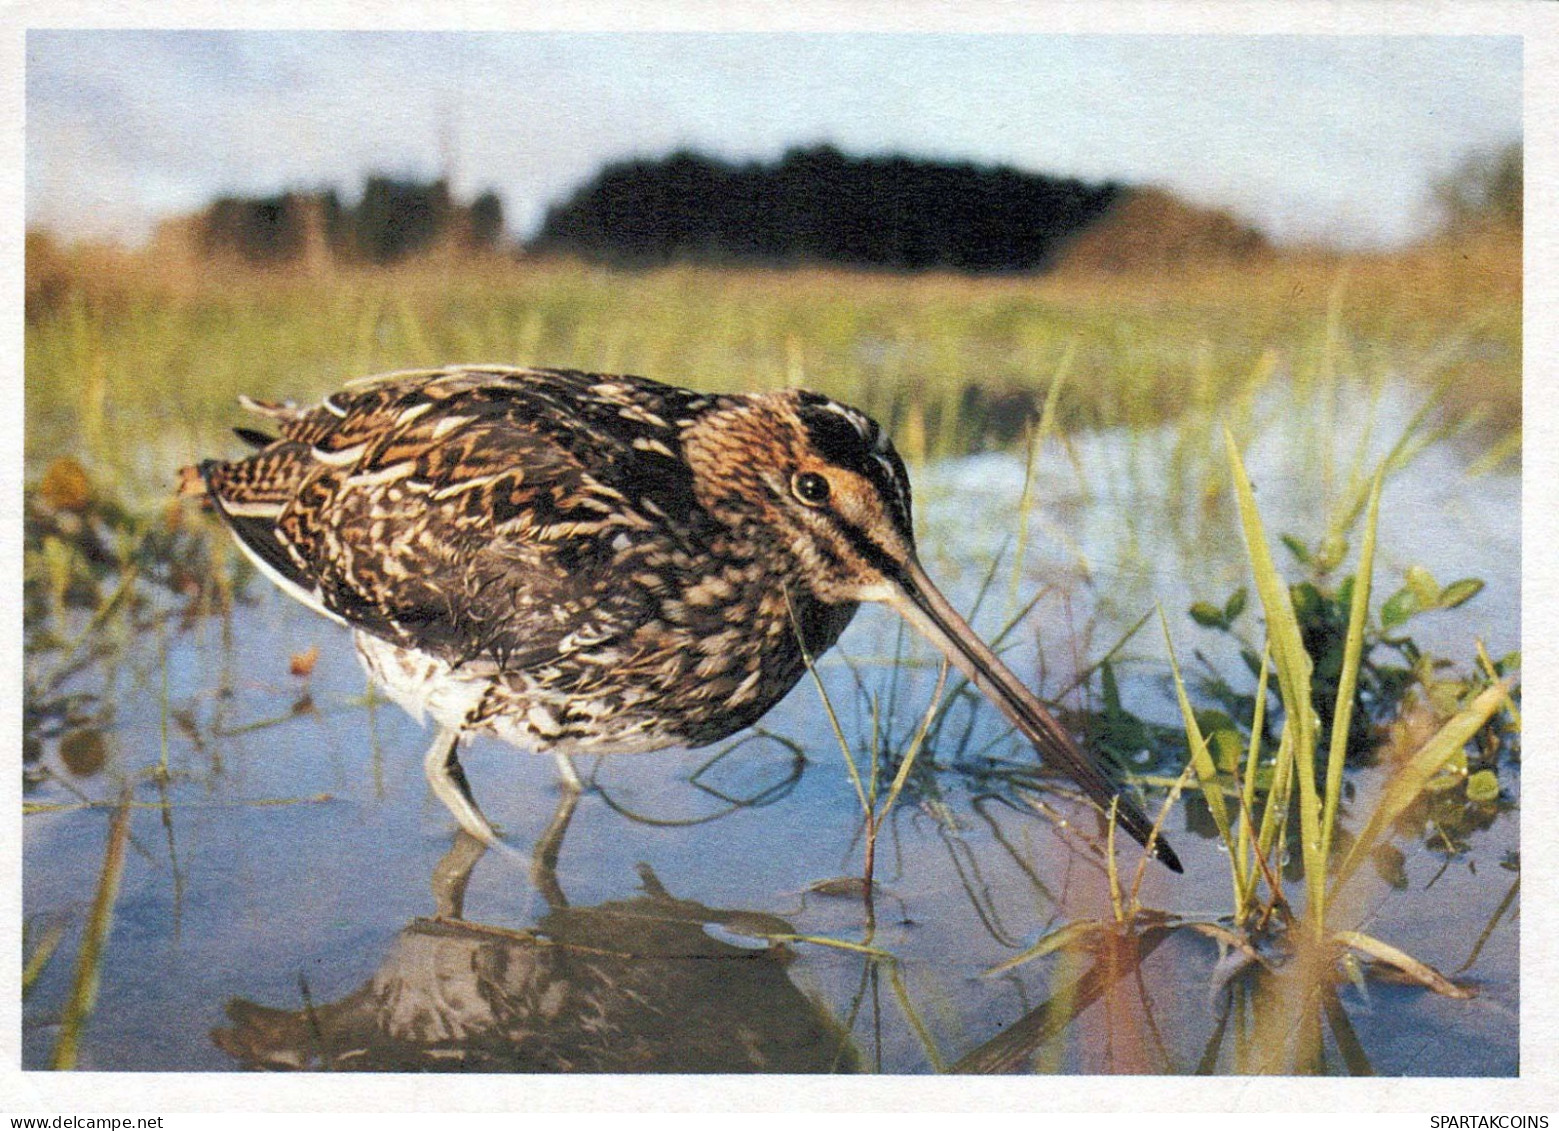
x: 580, y: 563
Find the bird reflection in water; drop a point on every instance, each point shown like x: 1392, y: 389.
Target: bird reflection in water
x: 635, y: 985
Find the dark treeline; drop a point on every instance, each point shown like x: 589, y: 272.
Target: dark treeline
x: 815, y: 205
x: 1485, y: 191
x: 392, y: 219
x: 821, y: 205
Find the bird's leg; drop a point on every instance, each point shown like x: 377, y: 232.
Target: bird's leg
x: 453, y: 872
x: 442, y: 766
x: 566, y: 771
x: 544, y: 859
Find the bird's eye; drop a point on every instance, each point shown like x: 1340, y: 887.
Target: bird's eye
x: 811, y: 488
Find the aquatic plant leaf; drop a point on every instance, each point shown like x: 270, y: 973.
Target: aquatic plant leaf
x: 1459, y: 592
x: 1251, y: 661
x: 1391, y: 865
x: 849, y: 887
x: 1207, y: 615
x: 1398, y: 608
x: 84, y: 751
x: 1426, y: 590
x: 1309, y: 604
x: 1409, y: 781
x: 1483, y: 786
x: 1110, y: 689
x: 1334, y: 547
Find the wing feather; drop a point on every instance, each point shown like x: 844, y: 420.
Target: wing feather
x: 476, y: 513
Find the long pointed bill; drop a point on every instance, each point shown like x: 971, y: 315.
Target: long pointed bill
x: 917, y: 600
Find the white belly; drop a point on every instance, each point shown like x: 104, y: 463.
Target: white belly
x: 521, y: 713
x: 421, y: 685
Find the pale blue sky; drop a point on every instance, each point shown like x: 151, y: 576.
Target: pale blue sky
x: 1309, y: 137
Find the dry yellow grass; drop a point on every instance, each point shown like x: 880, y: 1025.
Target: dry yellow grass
x: 125, y: 345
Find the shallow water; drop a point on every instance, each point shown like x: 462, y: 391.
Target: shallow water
x: 702, y: 913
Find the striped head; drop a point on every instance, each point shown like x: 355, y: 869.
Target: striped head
x: 821, y: 478
x: 825, y: 479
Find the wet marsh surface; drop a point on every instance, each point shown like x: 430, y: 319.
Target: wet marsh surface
x: 291, y: 895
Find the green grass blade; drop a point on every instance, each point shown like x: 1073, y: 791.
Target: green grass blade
x: 1202, y: 762
x: 908, y: 761
x: 1047, y: 423
x: 1421, y: 972
x: 1110, y: 653
x: 912, y: 1016
x: 1080, y: 932
x: 828, y: 708
x: 38, y: 960
x: 1407, y: 447
x: 1245, y: 857
x: 835, y: 944
x: 1353, y: 651
x: 1274, y: 818
x: 1505, y: 450
x: 1293, y: 669
x: 89, y: 962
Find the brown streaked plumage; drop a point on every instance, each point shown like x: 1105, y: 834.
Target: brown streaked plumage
x: 585, y: 563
